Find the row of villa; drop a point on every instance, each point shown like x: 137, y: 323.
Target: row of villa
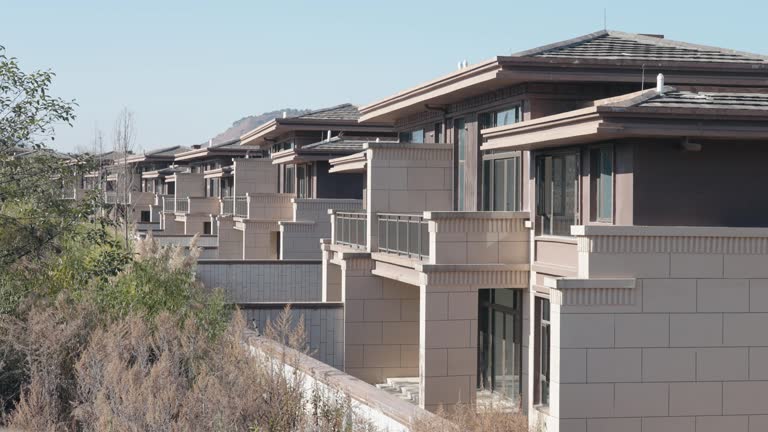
x: 566, y: 230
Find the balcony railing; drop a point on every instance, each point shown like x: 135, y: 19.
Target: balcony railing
x: 351, y: 229
x: 228, y: 205
x: 241, y: 206
x: 404, y: 235
x: 110, y: 197
x: 182, y: 205
x: 169, y: 204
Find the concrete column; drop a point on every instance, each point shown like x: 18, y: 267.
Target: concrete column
x: 381, y: 324
x: 447, y: 346
x: 331, y: 280
x: 230, y: 239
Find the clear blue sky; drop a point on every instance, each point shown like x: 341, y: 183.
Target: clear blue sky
x: 189, y: 69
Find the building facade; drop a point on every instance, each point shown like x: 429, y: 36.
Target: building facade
x: 559, y: 231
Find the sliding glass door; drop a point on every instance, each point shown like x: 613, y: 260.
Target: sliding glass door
x: 500, y: 342
x: 557, y: 188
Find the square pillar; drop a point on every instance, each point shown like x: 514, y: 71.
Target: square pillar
x: 447, y: 346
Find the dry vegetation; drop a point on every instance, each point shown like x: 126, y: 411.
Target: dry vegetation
x: 155, y: 368
x: 466, y: 418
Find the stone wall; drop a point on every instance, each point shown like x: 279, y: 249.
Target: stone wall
x: 666, y: 330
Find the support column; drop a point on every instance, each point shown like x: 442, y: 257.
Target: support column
x: 447, y: 346
x: 230, y: 239
x: 381, y: 324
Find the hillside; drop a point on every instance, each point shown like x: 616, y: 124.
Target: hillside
x: 246, y: 124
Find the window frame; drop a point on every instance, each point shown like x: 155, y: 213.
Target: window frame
x: 489, y: 189
x: 542, y: 357
x: 596, y: 183
x: 540, y: 191
x: 406, y: 137
x: 460, y: 164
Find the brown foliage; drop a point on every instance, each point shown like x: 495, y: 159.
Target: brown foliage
x: 467, y: 418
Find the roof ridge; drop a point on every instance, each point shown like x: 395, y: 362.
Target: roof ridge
x: 561, y: 44
x: 637, y: 37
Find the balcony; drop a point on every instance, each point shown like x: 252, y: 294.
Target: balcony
x: 182, y: 205
x: 404, y: 235
x: 110, y: 197
x: 240, y: 204
x: 169, y: 204
x: 227, y: 206
x: 351, y: 229
x: 264, y: 207
x: 141, y: 198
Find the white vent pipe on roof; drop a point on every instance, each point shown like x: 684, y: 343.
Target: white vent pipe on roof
x: 285, y: 114
x: 329, y: 135
x: 660, y: 84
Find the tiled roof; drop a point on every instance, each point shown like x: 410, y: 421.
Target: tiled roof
x: 168, y: 151
x: 339, y: 112
x: 710, y: 100
x: 611, y: 44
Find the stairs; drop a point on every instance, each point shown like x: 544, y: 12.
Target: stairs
x: 406, y: 388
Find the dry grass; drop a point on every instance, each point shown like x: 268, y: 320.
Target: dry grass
x: 467, y: 418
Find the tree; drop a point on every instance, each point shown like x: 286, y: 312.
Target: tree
x: 32, y: 213
x: 123, y: 142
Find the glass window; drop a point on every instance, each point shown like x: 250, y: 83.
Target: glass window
x: 499, y: 118
x: 289, y: 178
x: 501, y: 182
x: 304, y: 176
x: 438, y: 133
x: 556, y: 193
x: 542, y: 352
x: 461, y: 144
x: 413, y: 137
x: 601, y: 183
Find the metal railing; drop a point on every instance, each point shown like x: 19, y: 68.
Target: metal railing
x: 351, y: 229
x: 182, y: 205
x: 110, y: 197
x: 228, y: 205
x: 241, y: 206
x: 404, y: 235
x: 169, y: 204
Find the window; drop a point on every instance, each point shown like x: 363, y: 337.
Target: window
x: 414, y: 136
x: 207, y: 228
x: 170, y: 188
x: 461, y: 147
x: 541, y: 353
x: 145, y: 216
x: 227, y: 186
x: 304, y: 180
x: 503, y: 117
x: 501, y: 182
x: 556, y: 193
x: 289, y: 177
x: 213, y: 187
x: 438, y: 133
x: 601, y: 183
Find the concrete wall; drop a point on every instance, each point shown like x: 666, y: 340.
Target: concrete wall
x: 263, y: 281
x: 407, y: 178
x: 230, y: 240
x: 663, y: 330
x: 190, y: 185
x: 300, y: 237
x: 255, y: 176
x: 323, y: 323
x: 385, y: 412
x: 381, y: 324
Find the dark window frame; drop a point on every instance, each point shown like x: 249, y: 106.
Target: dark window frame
x: 460, y: 150
x: 488, y: 183
x: 540, y: 188
x: 542, y: 354
x: 597, y: 202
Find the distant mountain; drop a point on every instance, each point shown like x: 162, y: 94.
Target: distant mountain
x: 246, y: 124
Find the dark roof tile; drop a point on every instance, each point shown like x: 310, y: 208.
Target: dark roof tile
x: 610, y: 44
